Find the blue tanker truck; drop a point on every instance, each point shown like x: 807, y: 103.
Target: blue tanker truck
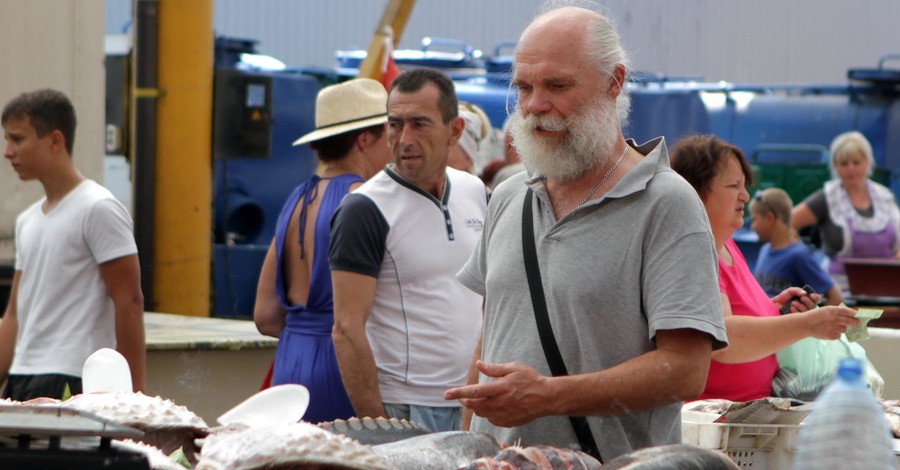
x: 784, y: 130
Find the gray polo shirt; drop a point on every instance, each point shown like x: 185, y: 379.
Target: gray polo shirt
x: 615, y: 271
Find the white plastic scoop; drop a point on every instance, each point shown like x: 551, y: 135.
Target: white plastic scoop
x: 106, y: 370
x: 281, y: 404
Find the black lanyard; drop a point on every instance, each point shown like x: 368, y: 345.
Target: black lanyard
x: 545, y: 330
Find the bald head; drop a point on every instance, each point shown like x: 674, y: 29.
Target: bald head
x: 556, y: 31
x: 564, y: 18
x: 590, y: 32
x: 584, y: 36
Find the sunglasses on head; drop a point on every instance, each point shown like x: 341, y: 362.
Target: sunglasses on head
x: 758, y: 196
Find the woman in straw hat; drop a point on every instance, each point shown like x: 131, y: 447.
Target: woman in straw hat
x: 294, y: 298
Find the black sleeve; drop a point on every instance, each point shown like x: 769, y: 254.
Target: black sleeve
x: 832, y: 235
x: 818, y: 205
x: 358, y: 236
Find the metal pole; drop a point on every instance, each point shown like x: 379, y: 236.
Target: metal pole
x: 146, y: 15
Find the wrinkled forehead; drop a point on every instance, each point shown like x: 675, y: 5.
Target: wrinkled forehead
x: 551, y: 50
x: 422, y: 103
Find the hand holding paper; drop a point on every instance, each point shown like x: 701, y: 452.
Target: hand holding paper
x: 861, y: 332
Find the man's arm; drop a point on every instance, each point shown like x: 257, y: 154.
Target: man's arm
x: 122, y: 277
x: 675, y: 371
x: 267, y: 312
x: 9, y: 328
x: 354, y: 295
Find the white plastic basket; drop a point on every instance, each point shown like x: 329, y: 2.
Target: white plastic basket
x: 756, y: 446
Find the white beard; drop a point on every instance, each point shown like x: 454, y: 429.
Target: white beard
x: 591, y: 136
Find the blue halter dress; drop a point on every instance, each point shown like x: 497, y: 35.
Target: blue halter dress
x: 305, y: 353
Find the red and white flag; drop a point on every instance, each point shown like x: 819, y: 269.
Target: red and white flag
x: 389, y: 69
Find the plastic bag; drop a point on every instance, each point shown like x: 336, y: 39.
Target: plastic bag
x: 874, y: 379
x: 808, y: 365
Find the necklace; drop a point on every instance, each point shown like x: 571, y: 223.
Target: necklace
x: 602, y: 180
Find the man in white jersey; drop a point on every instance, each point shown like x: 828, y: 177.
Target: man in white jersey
x: 404, y: 327
x: 76, y: 287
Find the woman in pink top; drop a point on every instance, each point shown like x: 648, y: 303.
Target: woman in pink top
x: 744, y: 370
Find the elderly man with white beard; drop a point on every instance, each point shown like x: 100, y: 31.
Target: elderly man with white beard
x: 626, y: 266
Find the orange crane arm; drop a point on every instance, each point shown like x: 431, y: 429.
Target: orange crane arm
x: 396, y: 14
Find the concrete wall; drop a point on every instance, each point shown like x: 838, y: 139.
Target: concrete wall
x: 56, y: 44
x: 208, y: 382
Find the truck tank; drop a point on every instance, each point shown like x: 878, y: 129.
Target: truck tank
x: 259, y: 111
x: 783, y: 129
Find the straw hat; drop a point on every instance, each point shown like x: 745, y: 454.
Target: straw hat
x: 354, y: 104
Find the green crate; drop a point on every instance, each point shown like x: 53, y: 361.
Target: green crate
x: 799, y: 169
x: 799, y: 180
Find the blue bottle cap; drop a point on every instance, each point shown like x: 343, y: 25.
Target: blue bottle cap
x: 850, y: 369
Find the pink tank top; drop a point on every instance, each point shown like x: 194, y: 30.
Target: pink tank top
x: 749, y: 380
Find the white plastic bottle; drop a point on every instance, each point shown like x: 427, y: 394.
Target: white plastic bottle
x: 847, y: 428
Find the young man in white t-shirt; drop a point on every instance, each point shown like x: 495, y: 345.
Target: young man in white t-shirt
x: 76, y: 287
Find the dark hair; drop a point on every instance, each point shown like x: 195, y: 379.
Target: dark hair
x: 47, y: 110
x: 338, y: 146
x: 699, y: 158
x: 414, y: 80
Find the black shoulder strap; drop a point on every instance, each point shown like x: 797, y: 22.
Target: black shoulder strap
x: 542, y: 318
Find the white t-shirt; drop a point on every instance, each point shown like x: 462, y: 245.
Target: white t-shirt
x: 63, y: 309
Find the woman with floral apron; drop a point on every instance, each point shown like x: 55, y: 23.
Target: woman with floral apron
x: 859, y: 218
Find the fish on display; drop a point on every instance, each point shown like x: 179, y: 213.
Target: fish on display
x: 438, y: 450
x: 711, y: 405
x: 536, y: 458
x: 293, y: 445
x: 155, y: 457
x: 166, y: 425
x: 374, y: 431
x: 673, y: 456
x: 892, y: 415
